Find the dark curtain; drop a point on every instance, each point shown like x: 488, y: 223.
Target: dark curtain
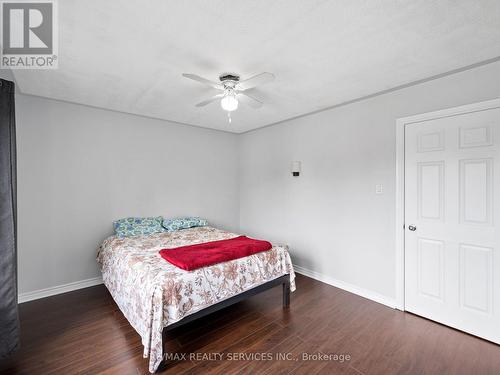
x: 9, y: 319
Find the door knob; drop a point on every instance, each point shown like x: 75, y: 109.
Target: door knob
x: 413, y: 228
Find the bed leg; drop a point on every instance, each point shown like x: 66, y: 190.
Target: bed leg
x: 163, y: 364
x: 286, y: 293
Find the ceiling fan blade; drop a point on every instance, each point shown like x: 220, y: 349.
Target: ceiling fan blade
x: 256, y: 80
x: 249, y: 100
x: 208, y: 101
x: 205, y: 81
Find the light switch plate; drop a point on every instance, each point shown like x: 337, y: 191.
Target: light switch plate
x: 379, y: 189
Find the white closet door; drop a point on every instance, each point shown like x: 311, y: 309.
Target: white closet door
x: 452, y: 214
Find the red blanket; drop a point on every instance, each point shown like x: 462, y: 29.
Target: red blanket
x: 205, y: 254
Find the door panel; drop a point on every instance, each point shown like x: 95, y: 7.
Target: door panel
x: 430, y: 268
x: 476, y: 191
x: 476, y: 266
x: 430, y: 190
x: 452, y: 198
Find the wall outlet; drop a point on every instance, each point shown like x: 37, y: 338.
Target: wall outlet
x: 379, y: 189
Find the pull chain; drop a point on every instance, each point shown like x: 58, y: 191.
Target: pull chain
x: 229, y: 117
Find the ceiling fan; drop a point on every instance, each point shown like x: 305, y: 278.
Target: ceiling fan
x: 233, y: 90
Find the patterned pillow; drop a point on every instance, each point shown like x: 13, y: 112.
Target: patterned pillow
x: 183, y: 223
x: 138, y: 226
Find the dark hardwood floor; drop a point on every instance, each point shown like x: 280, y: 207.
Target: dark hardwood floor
x: 83, y: 332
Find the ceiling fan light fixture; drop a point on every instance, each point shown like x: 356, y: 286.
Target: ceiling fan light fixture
x: 229, y: 102
x: 233, y: 88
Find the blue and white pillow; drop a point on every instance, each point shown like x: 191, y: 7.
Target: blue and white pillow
x: 183, y: 223
x: 138, y: 226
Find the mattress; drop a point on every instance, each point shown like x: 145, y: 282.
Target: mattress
x: 153, y: 293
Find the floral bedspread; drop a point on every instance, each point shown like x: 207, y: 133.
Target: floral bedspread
x: 153, y: 293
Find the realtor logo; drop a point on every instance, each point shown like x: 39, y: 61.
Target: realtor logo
x: 29, y: 35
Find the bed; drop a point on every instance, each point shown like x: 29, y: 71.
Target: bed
x: 156, y: 296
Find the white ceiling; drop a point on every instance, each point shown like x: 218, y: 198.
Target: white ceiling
x: 129, y: 55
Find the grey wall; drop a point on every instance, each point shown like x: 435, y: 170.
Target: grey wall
x: 80, y: 168
x: 334, y: 222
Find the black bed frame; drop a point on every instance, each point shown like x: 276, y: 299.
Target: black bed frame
x: 283, y: 280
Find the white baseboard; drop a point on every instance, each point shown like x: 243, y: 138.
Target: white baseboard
x: 52, y: 291
x: 374, y: 296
